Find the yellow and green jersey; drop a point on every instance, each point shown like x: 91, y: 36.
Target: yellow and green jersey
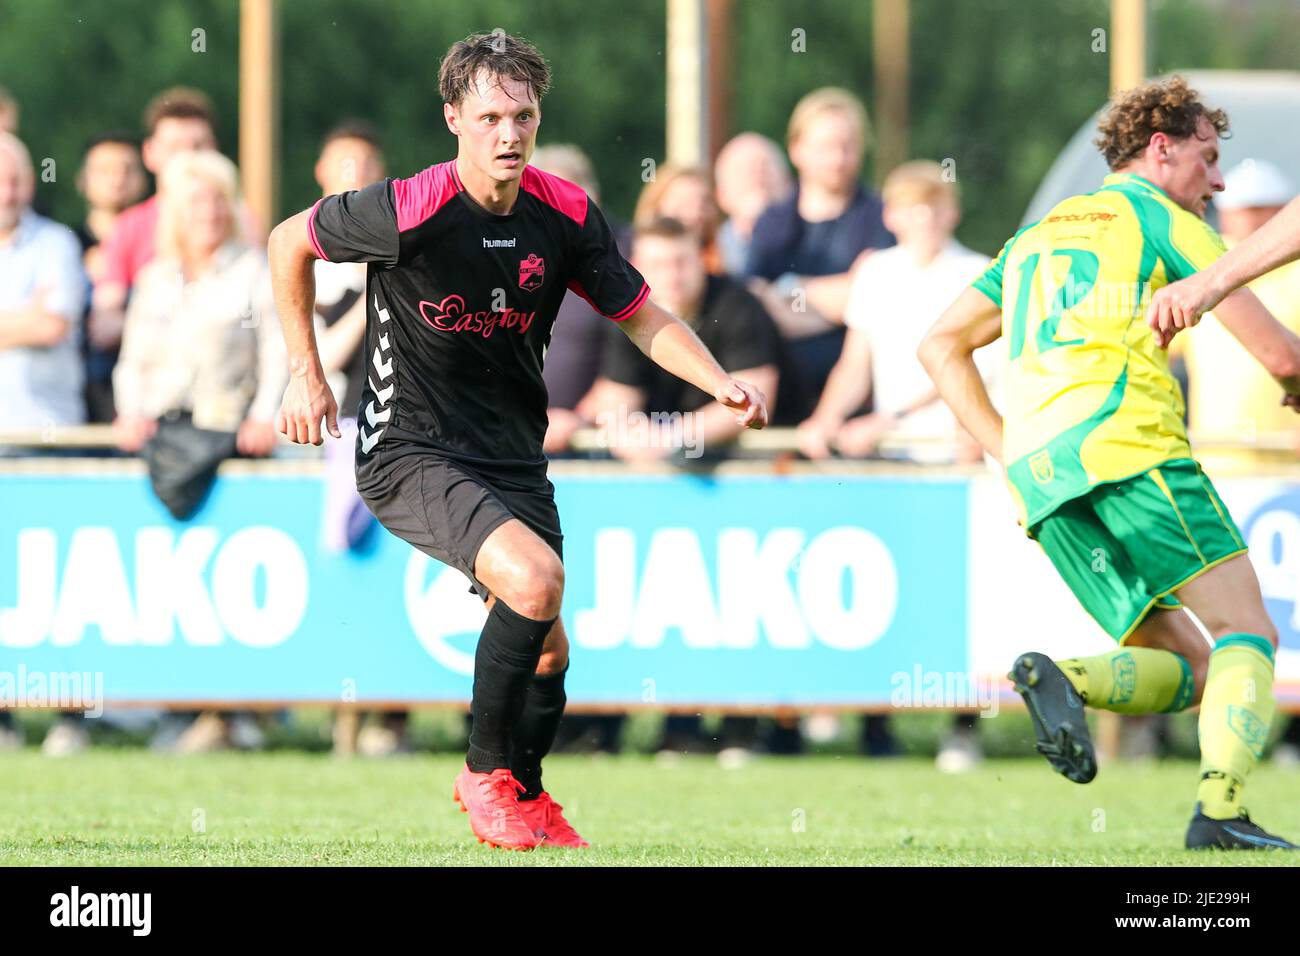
x: 1088, y: 397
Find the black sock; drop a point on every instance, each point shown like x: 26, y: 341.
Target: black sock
x: 507, y: 655
x: 534, y: 732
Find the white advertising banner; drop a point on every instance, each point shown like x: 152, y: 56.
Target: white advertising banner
x: 1016, y: 602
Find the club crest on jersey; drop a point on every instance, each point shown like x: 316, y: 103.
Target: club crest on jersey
x: 1040, y: 466
x: 531, y: 272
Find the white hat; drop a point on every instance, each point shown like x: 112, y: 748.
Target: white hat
x: 1253, y: 183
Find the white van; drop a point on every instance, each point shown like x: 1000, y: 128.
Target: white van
x: 1264, y: 123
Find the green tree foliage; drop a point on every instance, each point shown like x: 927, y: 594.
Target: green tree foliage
x: 998, y: 86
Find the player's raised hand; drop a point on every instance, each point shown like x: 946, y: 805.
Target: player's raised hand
x: 746, y: 399
x: 1179, y: 306
x: 307, y: 400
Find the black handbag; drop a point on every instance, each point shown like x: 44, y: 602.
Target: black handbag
x: 183, y: 461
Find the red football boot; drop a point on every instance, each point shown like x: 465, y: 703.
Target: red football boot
x: 544, y: 817
x: 491, y: 800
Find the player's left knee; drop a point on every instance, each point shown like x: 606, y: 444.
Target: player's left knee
x: 555, y: 655
x: 552, y: 663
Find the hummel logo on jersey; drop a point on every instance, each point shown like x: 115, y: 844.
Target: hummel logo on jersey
x: 449, y: 315
x: 498, y: 243
x: 383, y: 366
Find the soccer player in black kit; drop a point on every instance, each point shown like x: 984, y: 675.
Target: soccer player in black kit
x: 468, y: 263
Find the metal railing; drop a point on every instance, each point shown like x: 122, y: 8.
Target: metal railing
x: 768, y: 441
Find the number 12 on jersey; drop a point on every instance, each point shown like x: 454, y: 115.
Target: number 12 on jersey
x: 1079, y: 282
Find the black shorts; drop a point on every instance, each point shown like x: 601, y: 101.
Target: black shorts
x: 447, y: 510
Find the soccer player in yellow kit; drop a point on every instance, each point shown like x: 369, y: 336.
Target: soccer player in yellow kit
x: 1098, y: 461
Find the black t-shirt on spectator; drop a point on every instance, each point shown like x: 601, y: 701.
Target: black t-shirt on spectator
x: 355, y: 367
x: 98, y: 362
x: 784, y: 242
x: 732, y: 324
x: 577, y: 341
x: 460, y: 305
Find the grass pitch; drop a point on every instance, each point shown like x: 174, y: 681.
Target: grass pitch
x: 126, y: 807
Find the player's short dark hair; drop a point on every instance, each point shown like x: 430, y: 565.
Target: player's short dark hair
x: 119, y: 136
x: 179, y: 102
x: 1162, y: 106
x: 498, y: 54
x: 665, y: 227
x: 352, y: 128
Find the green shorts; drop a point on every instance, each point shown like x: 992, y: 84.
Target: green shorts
x: 1126, y: 547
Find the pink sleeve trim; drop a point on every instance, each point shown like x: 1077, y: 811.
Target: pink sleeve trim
x: 419, y: 197
x: 635, y: 304
x: 559, y: 194
x: 311, y: 231
x: 623, y: 313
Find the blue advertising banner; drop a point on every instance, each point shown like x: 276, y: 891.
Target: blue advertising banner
x: 679, y: 590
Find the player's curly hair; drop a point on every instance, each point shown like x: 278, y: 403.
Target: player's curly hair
x: 1164, y: 106
x: 501, y: 56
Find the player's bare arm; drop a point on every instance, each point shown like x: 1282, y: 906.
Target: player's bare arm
x: 1271, y: 343
x: 308, y: 398
x: 948, y: 354
x: 671, y: 345
x: 1181, y: 304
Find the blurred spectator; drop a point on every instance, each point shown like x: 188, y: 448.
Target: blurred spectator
x: 178, y: 120
x: 737, y: 330
x: 684, y: 193
x: 1229, y: 393
x: 578, y: 336
x: 111, y: 179
x: 572, y: 364
x: 895, y: 296
x: 9, y: 112
x: 351, y: 157
x: 805, y: 247
x: 750, y: 174
x: 731, y: 322
x: 42, y: 297
x: 203, y: 366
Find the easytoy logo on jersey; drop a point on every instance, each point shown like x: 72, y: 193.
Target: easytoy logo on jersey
x: 450, y: 315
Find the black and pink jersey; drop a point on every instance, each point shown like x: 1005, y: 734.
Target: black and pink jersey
x: 461, y: 304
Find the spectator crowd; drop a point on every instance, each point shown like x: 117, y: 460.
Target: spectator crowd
x: 153, y: 315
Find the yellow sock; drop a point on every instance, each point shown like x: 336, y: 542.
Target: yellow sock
x: 1132, y: 680
x: 1236, y: 711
